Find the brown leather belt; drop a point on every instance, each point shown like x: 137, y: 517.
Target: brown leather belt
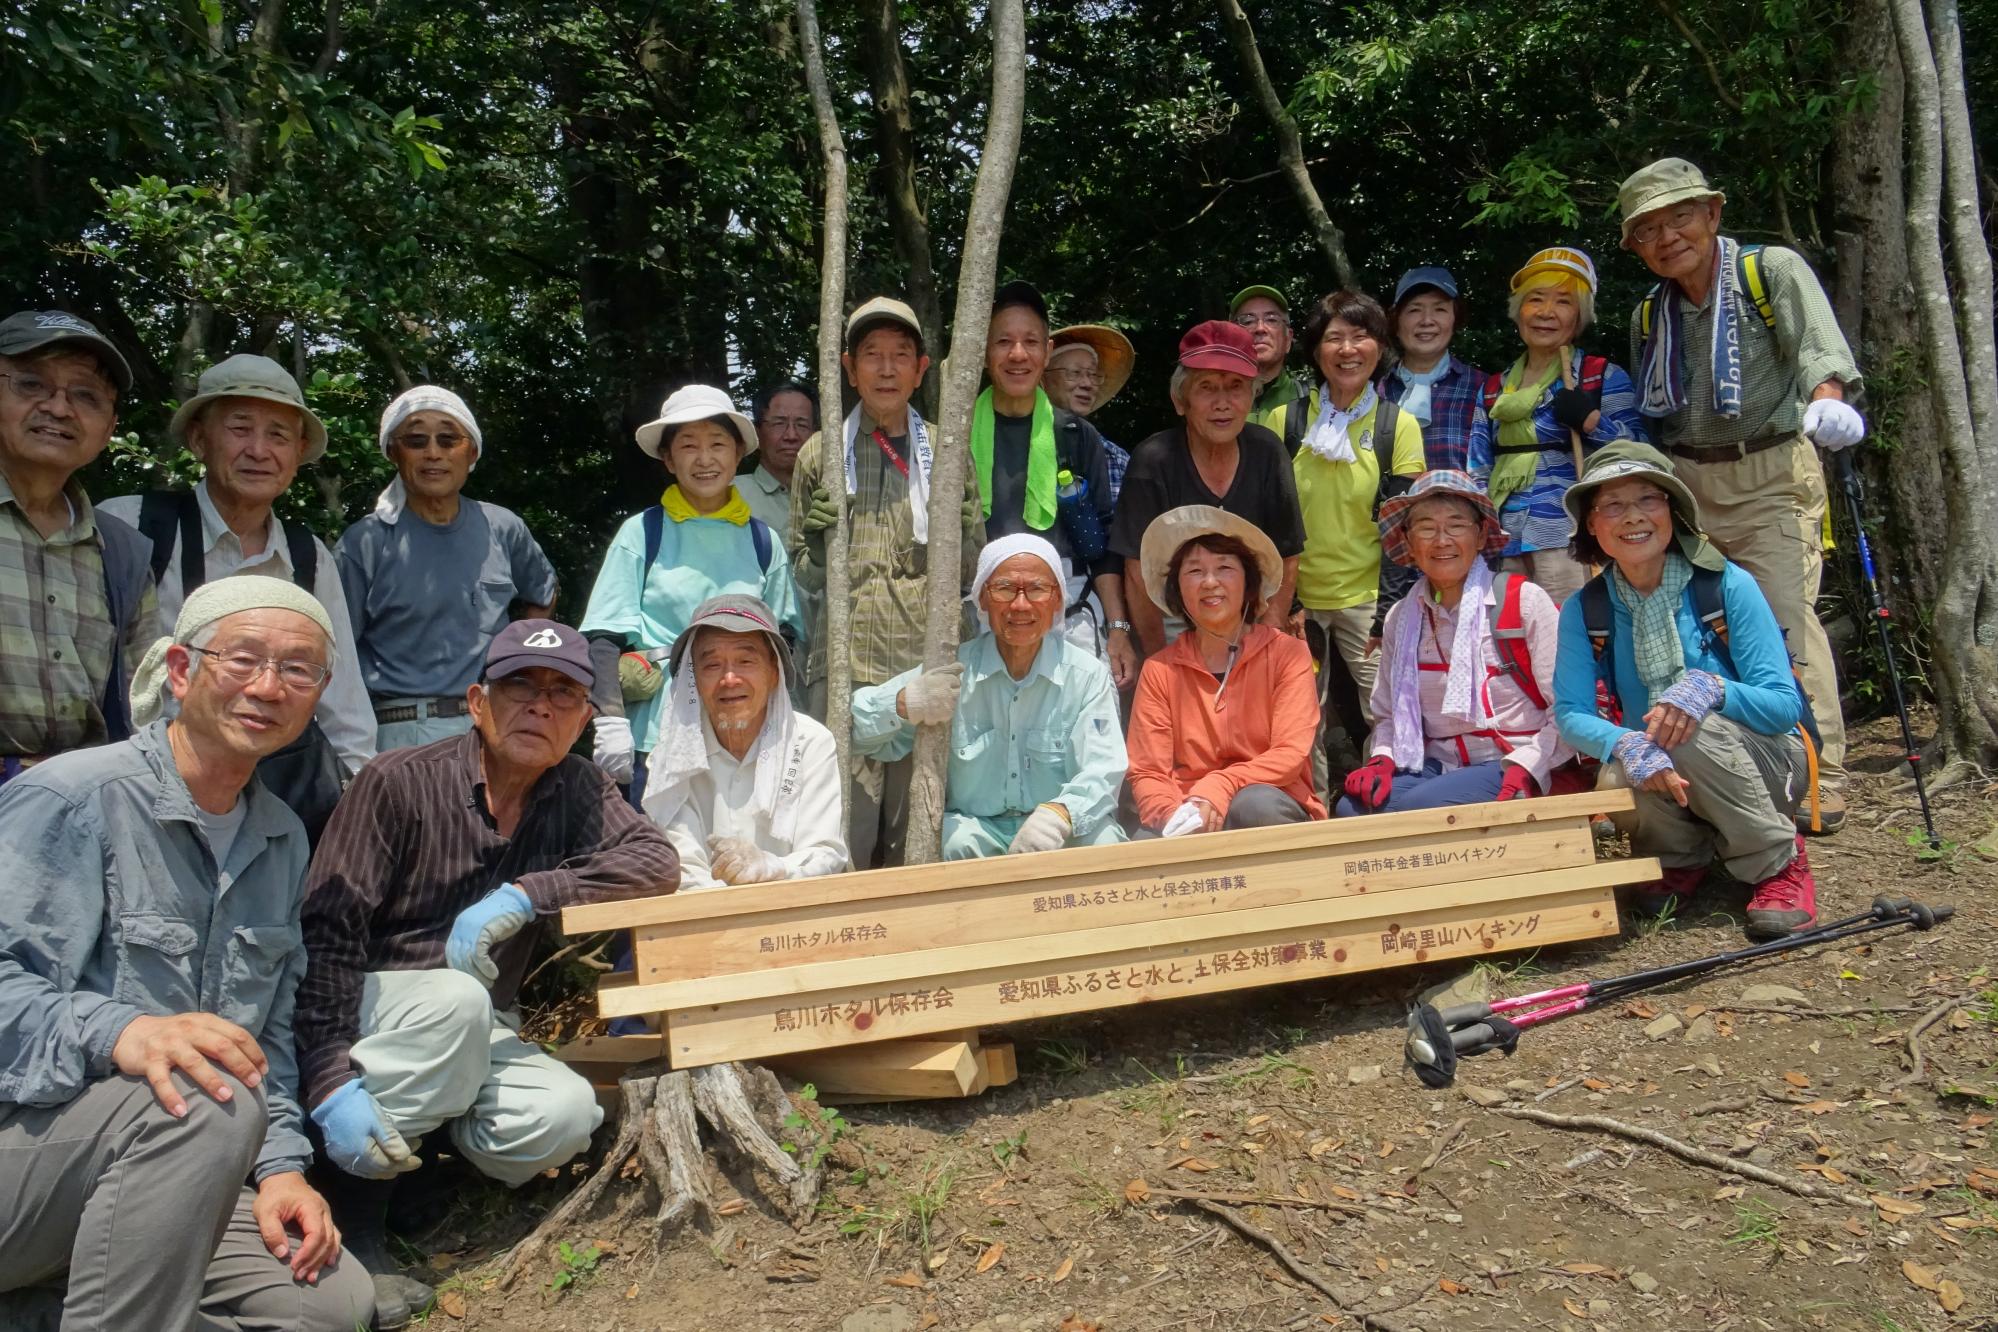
x: 430, y: 707
x: 1713, y: 453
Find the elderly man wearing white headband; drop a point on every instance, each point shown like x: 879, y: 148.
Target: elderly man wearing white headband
x: 746, y: 786
x: 430, y: 577
x: 1037, y: 746
x: 151, y: 1148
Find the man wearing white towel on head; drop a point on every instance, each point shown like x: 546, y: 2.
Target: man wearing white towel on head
x: 746, y: 786
x: 1037, y: 746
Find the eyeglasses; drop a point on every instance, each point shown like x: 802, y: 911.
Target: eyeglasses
x: 1079, y: 376
x: 520, y: 692
x: 240, y: 668
x: 801, y: 424
x: 1273, y: 319
x: 417, y: 443
x: 1434, y: 531
x: 84, y: 397
x: 1649, y: 505
x: 1677, y: 220
x: 1005, y: 591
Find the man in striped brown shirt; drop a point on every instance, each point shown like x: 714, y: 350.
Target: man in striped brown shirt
x: 436, y: 860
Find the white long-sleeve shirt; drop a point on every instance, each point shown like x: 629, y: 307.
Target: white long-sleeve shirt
x: 345, y: 713
x: 721, y: 802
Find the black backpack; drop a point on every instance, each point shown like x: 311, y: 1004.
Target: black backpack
x: 1387, y: 415
x: 305, y: 774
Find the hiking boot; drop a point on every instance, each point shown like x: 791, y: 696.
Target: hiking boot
x: 1786, y: 901
x: 360, y: 1210
x: 1831, y: 813
x: 1672, y: 892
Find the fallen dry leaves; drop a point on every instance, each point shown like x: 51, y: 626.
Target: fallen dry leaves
x: 907, y: 1281
x: 991, y: 1257
x: 1061, y: 1272
x: 1136, y: 1192
x: 452, y: 1302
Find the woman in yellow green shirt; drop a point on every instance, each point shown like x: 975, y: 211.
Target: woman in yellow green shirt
x: 1342, y: 582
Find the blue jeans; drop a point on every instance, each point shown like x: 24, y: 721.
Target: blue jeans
x: 1433, y: 788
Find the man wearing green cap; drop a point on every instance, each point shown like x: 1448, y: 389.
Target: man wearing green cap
x: 1742, y: 368
x: 250, y: 427
x: 1265, y: 313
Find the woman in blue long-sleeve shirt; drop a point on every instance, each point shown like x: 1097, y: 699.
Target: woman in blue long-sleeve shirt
x: 1709, y: 736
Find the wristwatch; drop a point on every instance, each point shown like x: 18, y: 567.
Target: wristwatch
x: 1125, y: 625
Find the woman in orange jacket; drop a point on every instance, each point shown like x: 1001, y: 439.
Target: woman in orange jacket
x: 1222, y: 724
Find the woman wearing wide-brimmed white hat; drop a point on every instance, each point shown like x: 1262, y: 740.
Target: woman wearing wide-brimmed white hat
x: 699, y: 541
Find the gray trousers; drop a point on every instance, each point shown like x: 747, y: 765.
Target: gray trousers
x: 877, y: 820
x: 147, y: 1220
x: 1743, y: 789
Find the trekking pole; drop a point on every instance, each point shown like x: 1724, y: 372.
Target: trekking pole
x: 1438, y: 1038
x: 1854, y: 487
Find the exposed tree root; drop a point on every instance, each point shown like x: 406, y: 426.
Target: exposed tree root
x: 1918, y: 1068
x: 1343, y: 1303
x: 660, y: 1128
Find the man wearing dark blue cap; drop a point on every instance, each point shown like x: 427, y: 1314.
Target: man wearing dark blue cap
x: 1428, y: 381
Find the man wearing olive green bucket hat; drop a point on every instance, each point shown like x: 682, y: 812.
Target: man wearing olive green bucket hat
x: 1744, y: 373
x: 1713, y: 731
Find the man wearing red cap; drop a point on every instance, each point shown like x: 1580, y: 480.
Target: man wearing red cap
x: 1215, y: 456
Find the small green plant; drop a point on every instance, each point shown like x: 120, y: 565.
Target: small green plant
x: 1004, y: 1151
x: 911, y: 1215
x: 1064, y: 1059
x: 1756, y: 1222
x: 1100, y: 1196
x: 1295, y: 1075
x: 577, y: 1265
x: 825, y: 1123
x: 1651, y: 925
x: 1160, y: 1098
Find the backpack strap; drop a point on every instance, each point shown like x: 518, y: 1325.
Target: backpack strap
x: 1710, y: 608
x: 1387, y: 418
x: 1749, y: 261
x: 304, y: 552
x: 1594, y: 368
x: 126, y: 574
x: 170, y: 518
x: 1509, y: 636
x: 654, y: 522
x: 1294, y: 413
x: 1595, y: 595
x: 1494, y: 385
x: 759, y: 534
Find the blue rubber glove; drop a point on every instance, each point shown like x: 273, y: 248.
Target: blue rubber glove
x: 482, y: 926
x: 1696, y: 693
x: 1642, y: 759
x: 359, y: 1138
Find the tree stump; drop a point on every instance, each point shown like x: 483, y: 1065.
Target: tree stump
x: 659, y: 1132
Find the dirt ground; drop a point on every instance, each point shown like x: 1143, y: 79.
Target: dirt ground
x: 1020, y: 1210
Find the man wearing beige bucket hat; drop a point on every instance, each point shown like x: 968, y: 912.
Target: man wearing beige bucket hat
x: 1742, y: 368
x: 1089, y: 364
x: 249, y: 426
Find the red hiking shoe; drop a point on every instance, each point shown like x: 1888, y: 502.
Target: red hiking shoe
x: 1786, y: 901
x: 1671, y: 892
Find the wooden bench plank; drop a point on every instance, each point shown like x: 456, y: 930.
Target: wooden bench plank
x: 895, y: 968
x: 1025, y: 988
x: 1131, y: 859
x: 1120, y: 896
x: 917, y: 1068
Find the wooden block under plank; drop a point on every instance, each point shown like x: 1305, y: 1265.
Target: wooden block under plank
x: 1002, y: 1066
x: 612, y: 1049
x: 908, y: 1068
x: 1024, y: 989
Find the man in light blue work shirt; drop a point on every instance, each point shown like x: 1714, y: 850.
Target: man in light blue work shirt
x: 1037, y: 747
x: 152, y: 1156
x: 430, y: 576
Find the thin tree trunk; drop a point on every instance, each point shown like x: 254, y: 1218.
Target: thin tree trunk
x: 975, y: 280
x: 1965, y: 634
x: 888, y: 73
x: 832, y: 311
x: 1968, y: 248
x: 1290, y: 148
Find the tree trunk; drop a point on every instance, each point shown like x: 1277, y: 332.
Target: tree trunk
x: 1290, y: 148
x: 832, y: 312
x: 975, y: 280
x: 881, y: 41
x: 1966, y: 618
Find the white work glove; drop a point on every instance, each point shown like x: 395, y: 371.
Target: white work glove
x: 737, y: 860
x: 1190, y: 817
x: 1832, y: 424
x: 931, y: 698
x: 614, y: 752
x: 1046, y: 829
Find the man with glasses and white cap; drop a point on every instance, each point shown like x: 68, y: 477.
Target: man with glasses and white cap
x: 416, y: 922
x: 1743, y: 370
x: 152, y: 1150
x: 1037, y: 745
x: 746, y: 786
x: 430, y: 576
x: 77, y: 605
x: 249, y: 426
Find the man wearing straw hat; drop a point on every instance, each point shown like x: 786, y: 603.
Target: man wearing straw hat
x: 1088, y: 365
x: 430, y: 577
x: 1744, y: 372
x: 152, y: 1152
x: 249, y: 426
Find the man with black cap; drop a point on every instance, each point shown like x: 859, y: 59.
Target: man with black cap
x: 883, y: 449
x: 1043, y: 469
x: 1264, y: 313
x: 416, y: 915
x: 77, y: 604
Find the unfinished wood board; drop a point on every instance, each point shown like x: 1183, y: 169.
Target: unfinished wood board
x: 906, y: 1068
x: 612, y: 1049
x: 891, y: 970
x: 1129, y: 859
x: 1197, y: 884
x: 1116, y: 976
x: 1002, y: 1065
